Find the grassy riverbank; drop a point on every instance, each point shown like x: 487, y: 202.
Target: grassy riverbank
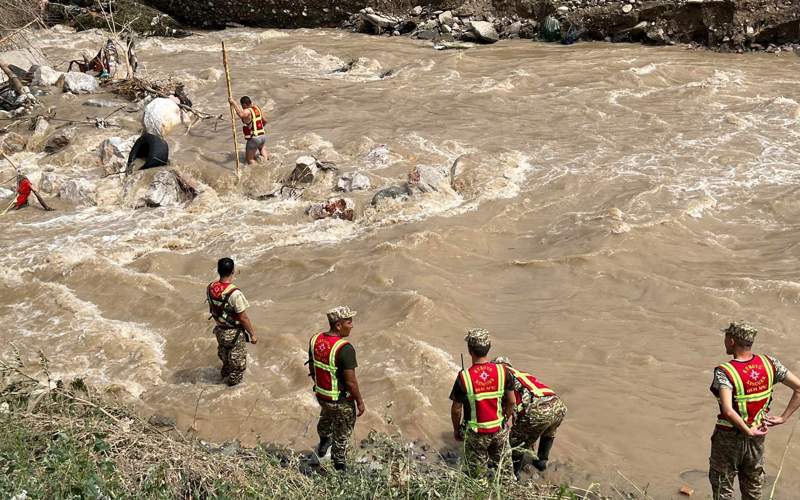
x: 63, y: 440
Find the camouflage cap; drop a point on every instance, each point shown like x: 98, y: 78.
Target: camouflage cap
x: 339, y: 313
x: 503, y: 360
x: 478, y: 337
x: 741, y: 330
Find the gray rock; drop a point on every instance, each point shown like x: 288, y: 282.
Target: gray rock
x: 627, y: 8
x: 446, y: 18
x: 80, y: 83
x: 353, y: 181
x: 79, y: 192
x: 102, y: 103
x: 41, y: 128
x: 426, y: 179
x: 165, y: 191
x: 514, y: 29
x: 393, y: 192
x: 114, y: 152
x: 13, y: 142
x: 426, y: 35
x: 59, y: 140
x: 379, y: 20
x: 45, y: 76
x: 50, y: 182
x: 6, y: 193
x: 305, y: 170
x: 162, y: 421
x: 484, y: 31
x: 416, y: 11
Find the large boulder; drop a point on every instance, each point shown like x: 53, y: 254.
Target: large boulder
x: 13, y: 142
x: 161, y: 116
x: 353, y: 181
x: 45, y: 76
x: 484, y: 31
x: 79, y: 83
x: 59, y: 140
x: 168, y: 190
x: 427, y: 179
x: 393, y: 192
x: 41, y: 128
x: 114, y: 152
x: 80, y: 192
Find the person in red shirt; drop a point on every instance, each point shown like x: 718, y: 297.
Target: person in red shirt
x: 24, y: 189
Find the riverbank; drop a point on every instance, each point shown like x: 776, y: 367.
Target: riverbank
x: 62, y: 439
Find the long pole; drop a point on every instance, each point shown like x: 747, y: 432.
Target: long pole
x: 233, y: 119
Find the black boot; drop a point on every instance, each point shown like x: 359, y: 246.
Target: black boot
x: 516, y: 459
x: 545, y: 444
x: 323, y: 446
x: 340, y: 467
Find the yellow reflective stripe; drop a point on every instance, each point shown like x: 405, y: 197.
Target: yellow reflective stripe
x: 489, y: 425
x: 488, y: 395
x: 501, y: 385
x: 768, y: 368
x: 473, y: 411
x: 724, y: 423
x: 522, y: 377
x: 754, y: 397
x: 739, y: 386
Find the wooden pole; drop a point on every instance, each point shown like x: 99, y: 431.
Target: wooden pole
x: 233, y: 117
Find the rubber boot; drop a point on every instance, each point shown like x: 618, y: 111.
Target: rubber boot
x: 545, y: 444
x: 340, y: 467
x: 516, y: 459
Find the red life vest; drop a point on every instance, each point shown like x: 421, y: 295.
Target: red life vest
x: 218, y: 295
x: 534, y: 385
x: 484, y: 384
x: 256, y: 126
x: 23, y: 191
x: 324, y: 349
x: 752, y: 389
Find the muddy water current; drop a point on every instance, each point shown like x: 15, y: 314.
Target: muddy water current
x: 617, y: 206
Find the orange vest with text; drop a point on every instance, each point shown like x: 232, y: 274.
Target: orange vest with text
x: 484, y: 385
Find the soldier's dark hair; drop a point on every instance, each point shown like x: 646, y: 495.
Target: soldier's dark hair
x: 332, y: 324
x: 245, y: 101
x: 225, y: 267
x: 479, y: 350
x: 742, y: 343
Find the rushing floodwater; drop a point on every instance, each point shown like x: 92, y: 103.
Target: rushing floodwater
x: 622, y: 204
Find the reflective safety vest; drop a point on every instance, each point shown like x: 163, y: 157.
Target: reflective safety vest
x: 324, y: 349
x: 484, y: 384
x: 256, y: 126
x: 752, y: 389
x: 218, y: 295
x: 528, y: 381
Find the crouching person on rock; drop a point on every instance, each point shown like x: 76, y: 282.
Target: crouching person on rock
x: 332, y: 366
x: 539, y: 413
x: 483, y: 395
x: 234, y: 329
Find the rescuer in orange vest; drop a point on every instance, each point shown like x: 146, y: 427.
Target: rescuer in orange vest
x: 332, y: 366
x: 538, y: 414
x: 743, y: 387
x: 483, y: 405
x: 233, y: 328
x: 254, y: 128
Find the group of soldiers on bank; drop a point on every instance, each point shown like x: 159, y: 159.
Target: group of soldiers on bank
x: 497, y: 408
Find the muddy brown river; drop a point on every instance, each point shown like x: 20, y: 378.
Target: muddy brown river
x: 620, y: 204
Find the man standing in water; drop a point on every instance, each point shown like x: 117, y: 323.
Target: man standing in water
x: 332, y: 366
x: 539, y: 412
x: 483, y: 395
x: 254, y: 128
x: 234, y: 329
x: 743, y: 387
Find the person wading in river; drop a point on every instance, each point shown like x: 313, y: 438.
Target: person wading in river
x: 332, y: 366
x: 538, y: 413
x: 254, y: 128
x: 743, y: 386
x: 483, y: 395
x: 234, y: 329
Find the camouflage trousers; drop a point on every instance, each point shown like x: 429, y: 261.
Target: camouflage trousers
x: 732, y: 455
x: 486, y: 451
x: 541, y: 417
x: 232, y: 350
x: 337, y: 419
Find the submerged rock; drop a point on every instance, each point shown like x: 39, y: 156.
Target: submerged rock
x: 80, y: 192
x: 168, y: 189
x: 334, y: 208
x: 393, y: 192
x: 59, y: 140
x: 45, y: 76
x: 113, y: 153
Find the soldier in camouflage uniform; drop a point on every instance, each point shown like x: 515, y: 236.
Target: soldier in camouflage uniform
x: 332, y: 366
x: 538, y: 414
x: 234, y: 329
x: 743, y: 387
x: 483, y: 402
